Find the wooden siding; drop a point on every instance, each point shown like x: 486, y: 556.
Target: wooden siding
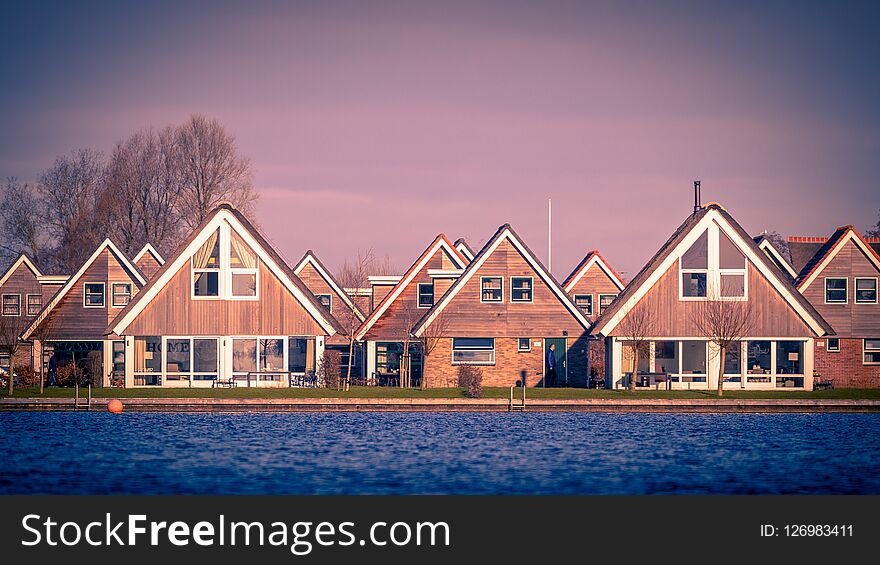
x: 850, y: 319
x: 380, y: 291
x: 174, y: 312
x: 545, y: 316
x: 773, y: 316
x: 595, y: 282
x: 49, y: 290
x: 317, y: 285
x: 22, y: 281
x: 70, y: 320
x: 148, y: 265
x: 404, y: 311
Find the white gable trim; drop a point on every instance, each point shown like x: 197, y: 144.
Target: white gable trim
x: 144, y: 298
x: 441, y: 243
x: 712, y: 216
x: 463, y: 249
x: 769, y: 248
x: 475, y: 266
x: 850, y: 236
x: 152, y: 251
x: 310, y: 259
x: 27, y: 262
x: 72, y: 281
x: 595, y: 260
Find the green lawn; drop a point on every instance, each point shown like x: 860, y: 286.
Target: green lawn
x: 388, y: 392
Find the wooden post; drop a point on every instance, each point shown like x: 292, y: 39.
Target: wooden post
x: 89, y: 405
x: 76, y: 396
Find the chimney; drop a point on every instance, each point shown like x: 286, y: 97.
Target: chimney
x: 697, y: 204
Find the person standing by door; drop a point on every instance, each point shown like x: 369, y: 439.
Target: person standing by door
x: 550, y: 377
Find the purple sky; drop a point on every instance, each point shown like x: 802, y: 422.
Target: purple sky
x: 379, y: 125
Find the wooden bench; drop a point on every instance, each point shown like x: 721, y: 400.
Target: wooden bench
x: 227, y: 383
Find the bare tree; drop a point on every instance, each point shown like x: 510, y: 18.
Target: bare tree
x: 724, y: 322
x: 353, y: 274
x: 42, y: 334
x: 409, y: 314
x: 11, y: 328
x: 212, y: 170
x: 636, y: 329
x: 779, y: 243
x: 430, y: 338
x: 22, y: 227
x: 875, y: 230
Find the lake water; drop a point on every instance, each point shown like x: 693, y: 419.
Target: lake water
x: 418, y: 453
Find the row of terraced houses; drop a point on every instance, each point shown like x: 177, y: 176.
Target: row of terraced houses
x: 227, y: 308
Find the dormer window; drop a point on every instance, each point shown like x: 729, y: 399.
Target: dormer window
x: 225, y: 267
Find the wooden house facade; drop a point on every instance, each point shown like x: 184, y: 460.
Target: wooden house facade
x: 503, y: 314
x: 711, y: 258
x: 226, y: 309
x: 22, y: 298
x: 148, y: 260
x: 840, y: 280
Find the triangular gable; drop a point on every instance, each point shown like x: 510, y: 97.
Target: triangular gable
x: 829, y: 251
x: 592, y: 258
x: 22, y: 260
x: 226, y: 213
x: 440, y: 243
x: 311, y: 259
x: 107, y: 245
x: 504, y: 233
x: 765, y: 245
x: 462, y: 247
x: 680, y: 241
x: 151, y: 251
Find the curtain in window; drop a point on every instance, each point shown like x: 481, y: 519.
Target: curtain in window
x: 241, y: 252
x: 202, y: 257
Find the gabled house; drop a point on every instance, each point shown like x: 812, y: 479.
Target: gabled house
x: 387, y: 330
x: 711, y: 257
x: 22, y: 298
x: 840, y: 281
x: 71, y: 325
x: 775, y: 256
x: 503, y: 313
x: 148, y: 260
x: 593, y: 285
x: 225, y: 309
x: 327, y: 290
x: 464, y: 249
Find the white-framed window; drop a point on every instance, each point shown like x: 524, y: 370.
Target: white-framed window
x: 191, y: 358
x: 605, y: 301
x: 871, y: 351
x: 93, y: 295
x: 473, y: 351
x: 491, y: 289
x: 585, y: 303
x: 694, y: 269
x: 833, y: 344
x: 120, y: 294
x: 206, y: 268
x: 524, y: 344
x: 521, y: 289
x: 836, y: 290
x: 34, y: 304
x: 243, y: 271
x: 12, y: 305
x: 425, y: 295
x: 714, y: 268
x: 226, y: 267
x: 866, y: 290
x: 264, y: 355
x: 326, y: 301
x: 731, y: 268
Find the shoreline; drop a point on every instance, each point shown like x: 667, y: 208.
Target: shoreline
x: 636, y: 405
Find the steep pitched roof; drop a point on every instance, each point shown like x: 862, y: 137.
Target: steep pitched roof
x: 250, y: 234
x: 832, y: 246
x: 22, y: 260
x: 765, y: 245
x: 592, y: 258
x: 802, y: 249
x: 72, y: 281
x: 462, y: 246
x: 504, y: 233
x: 152, y: 251
x: 652, y: 271
x: 440, y: 242
x: 312, y: 259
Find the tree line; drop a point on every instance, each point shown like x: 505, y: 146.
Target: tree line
x: 154, y: 187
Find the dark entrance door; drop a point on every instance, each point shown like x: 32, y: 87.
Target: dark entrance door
x: 561, y: 355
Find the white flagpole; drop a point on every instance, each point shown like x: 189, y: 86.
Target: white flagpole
x: 550, y: 234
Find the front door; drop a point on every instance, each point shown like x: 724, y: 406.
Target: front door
x: 560, y: 354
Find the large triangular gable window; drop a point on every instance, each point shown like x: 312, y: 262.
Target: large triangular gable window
x: 713, y: 267
x: 225, y: 267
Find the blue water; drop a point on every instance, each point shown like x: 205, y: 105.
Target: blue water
x: 417, y: 453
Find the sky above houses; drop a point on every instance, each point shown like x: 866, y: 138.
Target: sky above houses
x: 380, y: 124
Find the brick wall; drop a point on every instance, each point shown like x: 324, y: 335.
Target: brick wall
x: 845, y: 367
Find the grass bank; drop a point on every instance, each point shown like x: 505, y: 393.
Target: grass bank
x: 390, y: 392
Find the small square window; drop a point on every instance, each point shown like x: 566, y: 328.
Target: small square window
x: 871, y: 349
x: 524, y: 344
x: 733, y: 285
x: 491, y: 289
x: 833, y: 344
x: 693, y: 285
x: 326, y: 301
x: 521, y: 289
x: 12, y: 305
x: 866, y: 291
x: 206, y: 283
x: 121, y: 294
x: 244, y: 284
x: 836, y: 291
x: 34, y: 304
x: 585, y: 303
x: 605, y: 301
x: 93, y: 295
x: 426, y: 295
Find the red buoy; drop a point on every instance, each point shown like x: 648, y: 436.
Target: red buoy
x: 114, y: 406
